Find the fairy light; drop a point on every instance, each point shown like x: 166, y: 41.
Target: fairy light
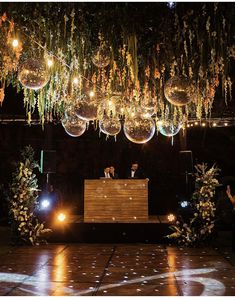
x: 50, y: 62
x: 75, y: 80
x: 214, y: 124
x: 188, y: 125
x: 225, y: 124
x: 196, y: 123
x: 15, y: 43
x: 171, y: 218
x: 92, y: 94
x: 203, y: 124
x: 192, y: 125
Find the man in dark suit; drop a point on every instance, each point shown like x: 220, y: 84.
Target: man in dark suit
x: 135, y: 172
x: 112, y: 172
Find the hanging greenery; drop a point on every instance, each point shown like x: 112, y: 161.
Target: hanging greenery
x: 128, y: 48
x: 200, y: 227
x: 23, y: 200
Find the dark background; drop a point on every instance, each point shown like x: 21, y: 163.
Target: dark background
x: 85, y: 157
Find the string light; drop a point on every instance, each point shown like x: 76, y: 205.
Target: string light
x: 75, y: 80
x: 188, y: 125
x: 203, y: 124
x: 92, y: 94
x: 225, y: 124
x: 214, y: 124
x: 50, y: 62
x: 192, y: 125
x: 196, y: 123
x: 15, y: 43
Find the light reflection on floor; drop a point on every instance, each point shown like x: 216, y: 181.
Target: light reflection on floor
x: 121, y: 270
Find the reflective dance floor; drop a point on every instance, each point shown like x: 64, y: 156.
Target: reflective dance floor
x: 117, y: 270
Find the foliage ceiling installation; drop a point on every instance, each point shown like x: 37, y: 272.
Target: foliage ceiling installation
x: 139, y: 66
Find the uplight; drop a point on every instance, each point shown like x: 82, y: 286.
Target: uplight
x: 61, y: 217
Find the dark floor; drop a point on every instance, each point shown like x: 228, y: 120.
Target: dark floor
x: 115, y: 269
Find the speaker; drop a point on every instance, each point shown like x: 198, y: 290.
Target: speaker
x: 48, y: 161
x: 186, y: 161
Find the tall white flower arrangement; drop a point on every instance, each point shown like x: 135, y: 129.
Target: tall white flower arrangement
x: 201, y: 225
x: 23, y: 201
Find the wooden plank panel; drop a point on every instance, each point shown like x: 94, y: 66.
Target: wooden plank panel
x: 115, y: 200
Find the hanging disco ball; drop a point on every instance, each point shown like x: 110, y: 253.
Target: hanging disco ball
x: 33, y: 74
x: 86, y: 107
x: 179, y: 91
x: 139, y: 129
x: 168, y: 128
x: 110, y: 126
x: 74, y: 126
x: 101, y: 56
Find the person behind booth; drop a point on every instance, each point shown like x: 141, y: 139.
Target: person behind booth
x: 106, y: 173
x: 112, y: 172
x: 232, y: 200
x: 136, y: 172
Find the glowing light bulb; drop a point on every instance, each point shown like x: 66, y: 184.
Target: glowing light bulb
x: 214, y: 124
x: 192, y: 125
x: 196, y: 123
x: 188, y: 125
x: 92, y: 94
x: 15, y: 43
x: 61, y: 217
x: 225, y: 124
x: 203, y: 124
x: 75, y: 80
x: 50, y: 62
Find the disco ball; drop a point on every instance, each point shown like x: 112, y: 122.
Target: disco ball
x: 74, y: 126
x: 110, y: 126
x: 179, y: 91
x: 101, y: 56
x: 33, y: 74
x: 86, y: 107
x: 168, y: 128
x: 139, y: 129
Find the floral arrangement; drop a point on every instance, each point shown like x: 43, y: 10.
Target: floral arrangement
x: 23, y: 200
x: 201, y: 225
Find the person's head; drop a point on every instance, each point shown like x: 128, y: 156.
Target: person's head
x: 112, y: 169
x: 107, y: 169
x: 134, y: 166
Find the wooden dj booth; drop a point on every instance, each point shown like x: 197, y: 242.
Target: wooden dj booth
x: 115, y: 200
